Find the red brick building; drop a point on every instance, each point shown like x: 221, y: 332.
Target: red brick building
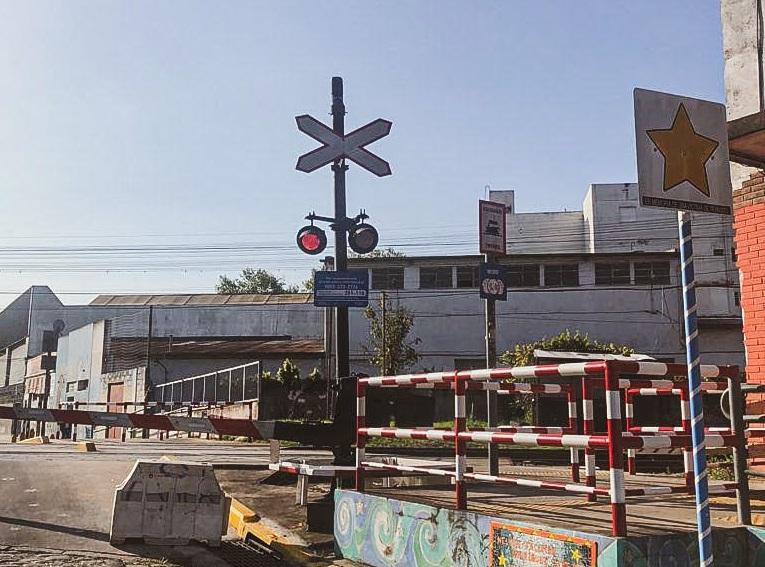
x: 745, y: 100
x: 749, y: 224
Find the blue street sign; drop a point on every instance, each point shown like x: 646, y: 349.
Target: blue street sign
x: 341, y: 289
x: 491, y: 282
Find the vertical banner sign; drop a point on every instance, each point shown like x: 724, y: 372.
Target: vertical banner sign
x: 682, y: 158
x: 491, y: 225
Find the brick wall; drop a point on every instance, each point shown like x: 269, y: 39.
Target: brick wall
x: 749, y: 224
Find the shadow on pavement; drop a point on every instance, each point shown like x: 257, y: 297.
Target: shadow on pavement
x: 92, y: 534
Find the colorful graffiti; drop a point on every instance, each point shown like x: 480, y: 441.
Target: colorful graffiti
x: 385, y: 532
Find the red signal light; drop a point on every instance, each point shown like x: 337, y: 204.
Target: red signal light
x: 311, y: 240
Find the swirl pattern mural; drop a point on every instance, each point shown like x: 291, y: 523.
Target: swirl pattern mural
x: 385, y: 532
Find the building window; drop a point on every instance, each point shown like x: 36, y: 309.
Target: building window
x: 523, y: 275
x: 70, y: 386
x: 467, y: 276
x: 436, y: 278
x: 652, y: 273
x: 82, y: 385
x: 562, y: 275
x: 737, y: 298
x: 718, y: 252
x: 616, y: 273
x: 733, y: 254
x: 387, y: 278
x: 627, y: 214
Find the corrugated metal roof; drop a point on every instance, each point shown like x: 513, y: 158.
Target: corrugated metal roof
x: 204, y: 299
x: 217, y: 347
x: 228, y: 347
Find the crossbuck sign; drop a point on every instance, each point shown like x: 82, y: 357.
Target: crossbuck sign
x: 350, y: 146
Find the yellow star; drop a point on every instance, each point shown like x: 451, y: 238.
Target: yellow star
x: 576, y: 555
x: 502, y: 560
x: 685, y: 153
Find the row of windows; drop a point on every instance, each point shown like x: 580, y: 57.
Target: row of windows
x: 528, y: 275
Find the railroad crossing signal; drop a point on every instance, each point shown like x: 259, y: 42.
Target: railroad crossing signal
x: 350, y: 146
x: 311, y: 240
x: 363, y: 238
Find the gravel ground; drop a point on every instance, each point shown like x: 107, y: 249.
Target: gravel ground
x: 30, y: 557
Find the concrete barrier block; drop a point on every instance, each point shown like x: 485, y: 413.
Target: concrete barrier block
x: 86, y: 446
x: 170, y: 503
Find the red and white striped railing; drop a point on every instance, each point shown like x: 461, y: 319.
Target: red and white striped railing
x: 613, y: 376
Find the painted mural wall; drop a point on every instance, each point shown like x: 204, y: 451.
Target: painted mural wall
x: 385, y: 532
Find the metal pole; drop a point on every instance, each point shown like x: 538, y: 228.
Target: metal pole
x: 694, y: 387
x: 341, y: 245
x: 147, y: 379
x: 615, y: 452
x: 491, y: 362
x: 739, y: 452
x: 147, y: 374
x: 460, y: 446
x: 384, y: 349
x: 360, y: 439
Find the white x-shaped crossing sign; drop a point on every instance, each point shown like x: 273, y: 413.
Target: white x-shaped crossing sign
x: 350, y: 146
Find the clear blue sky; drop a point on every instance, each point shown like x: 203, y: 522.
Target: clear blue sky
x: 126, y: 124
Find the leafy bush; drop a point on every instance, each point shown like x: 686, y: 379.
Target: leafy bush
x: 567, y: 341
x: 520, y: 408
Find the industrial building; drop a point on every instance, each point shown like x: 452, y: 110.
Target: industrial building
x: 610, y: 270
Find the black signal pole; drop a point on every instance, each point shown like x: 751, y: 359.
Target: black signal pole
x: 339, y: 168
x: 491, y: 362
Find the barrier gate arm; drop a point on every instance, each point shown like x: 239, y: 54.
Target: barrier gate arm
x: 316, y: 434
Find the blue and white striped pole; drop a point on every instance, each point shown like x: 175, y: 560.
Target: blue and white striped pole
x: 694, y: 387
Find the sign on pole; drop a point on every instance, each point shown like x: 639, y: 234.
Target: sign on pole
x: 349, y: 288
x: 491, y: 226
x: 682, y: 153
x: 682, y: 156
x: 491, y: 282
x: 350, y: 146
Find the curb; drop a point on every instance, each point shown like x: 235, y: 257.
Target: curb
x: 246, y: 522
x: 35, y: 441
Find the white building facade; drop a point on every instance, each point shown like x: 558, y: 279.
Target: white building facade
x: 610, y: 270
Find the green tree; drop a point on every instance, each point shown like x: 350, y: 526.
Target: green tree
x: 289, y: 375
x: 379, y: 253
x: 397, y: 352
x: 253, y: 280
x: 307, y: 285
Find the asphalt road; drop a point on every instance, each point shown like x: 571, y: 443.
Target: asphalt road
x: 54, y: 497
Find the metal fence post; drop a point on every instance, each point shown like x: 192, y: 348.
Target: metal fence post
x: 360, y: 439
x: 615, y: 452
x: 736, y: 399
x: 460, y: 445
x: 589, y: 429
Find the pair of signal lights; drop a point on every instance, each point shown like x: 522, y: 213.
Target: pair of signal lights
x: 362, y: 238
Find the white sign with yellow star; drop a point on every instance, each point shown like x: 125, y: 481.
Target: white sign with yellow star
x: 682, y: 153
